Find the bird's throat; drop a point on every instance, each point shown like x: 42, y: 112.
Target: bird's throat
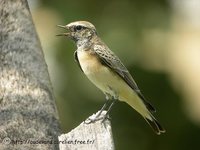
x: 86, y: 42
x: 83, y: 43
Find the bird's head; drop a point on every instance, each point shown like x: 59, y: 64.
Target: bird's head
x: 79, y: 31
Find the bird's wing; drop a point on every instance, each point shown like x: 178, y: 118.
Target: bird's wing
x: 76, y: 59
x: 108, y: 58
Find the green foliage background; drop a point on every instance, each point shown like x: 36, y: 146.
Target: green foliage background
x: 121, y: 25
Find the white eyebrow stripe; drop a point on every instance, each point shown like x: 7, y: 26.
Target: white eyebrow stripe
x: 82, y: 23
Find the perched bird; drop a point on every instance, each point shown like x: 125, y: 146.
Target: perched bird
x: 104, y: 69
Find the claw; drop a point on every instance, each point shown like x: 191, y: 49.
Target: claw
x: 92, y: 120
x: 106, y: 117
x: 98, y: 116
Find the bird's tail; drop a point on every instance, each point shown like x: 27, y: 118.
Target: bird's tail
x: 154, y: 124
x: 138, y: 102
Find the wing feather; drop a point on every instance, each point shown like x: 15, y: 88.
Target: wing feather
x: 108, y: 58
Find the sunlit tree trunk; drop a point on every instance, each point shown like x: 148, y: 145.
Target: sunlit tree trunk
x: 27, y: 106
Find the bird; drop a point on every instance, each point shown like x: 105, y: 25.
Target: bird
x: 107, y: 72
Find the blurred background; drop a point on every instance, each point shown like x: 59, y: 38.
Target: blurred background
x: 158, y: 41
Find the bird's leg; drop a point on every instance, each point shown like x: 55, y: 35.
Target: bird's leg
x: 113, y: 98
x: 102, y: 108
x: 99, y: 113
x: 106, y: 116
x: 108, y: 96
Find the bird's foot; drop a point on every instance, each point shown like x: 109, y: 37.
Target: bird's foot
x: 97, y: 117
x: 105, y: 117
x: 92, y: 120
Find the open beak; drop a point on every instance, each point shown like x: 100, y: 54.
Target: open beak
x: 63, y: 34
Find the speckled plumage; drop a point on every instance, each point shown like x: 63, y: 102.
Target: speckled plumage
x: 106, y: 71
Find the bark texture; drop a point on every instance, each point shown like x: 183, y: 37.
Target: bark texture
x: 93, y: 136
x: 28, y: 115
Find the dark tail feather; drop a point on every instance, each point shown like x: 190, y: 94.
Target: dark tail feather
x: 155, y: 125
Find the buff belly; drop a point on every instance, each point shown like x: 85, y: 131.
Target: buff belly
x: 109, y: 82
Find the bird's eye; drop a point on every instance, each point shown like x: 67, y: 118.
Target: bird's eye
x: 77, y: 28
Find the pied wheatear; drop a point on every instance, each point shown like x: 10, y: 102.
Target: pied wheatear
x: 104, y: 69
